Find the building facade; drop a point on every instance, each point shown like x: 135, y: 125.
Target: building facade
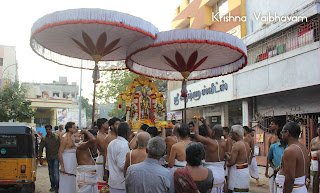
x: 8, y: 64
x: 282, y: 78
x: 48, y: 99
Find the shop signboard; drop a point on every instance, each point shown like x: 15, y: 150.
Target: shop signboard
x: 204, y: 92
x: 174, y: 115
x: 65, y: 115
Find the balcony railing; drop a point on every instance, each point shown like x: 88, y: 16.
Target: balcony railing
x: 285, y: 41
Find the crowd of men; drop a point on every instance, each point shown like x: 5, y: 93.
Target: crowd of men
x: 186, y: 158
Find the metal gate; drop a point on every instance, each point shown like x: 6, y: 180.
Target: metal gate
x: 307, y: 125
x: 263, y: 133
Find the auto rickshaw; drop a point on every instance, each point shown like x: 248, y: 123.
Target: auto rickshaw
x: 18, y: 156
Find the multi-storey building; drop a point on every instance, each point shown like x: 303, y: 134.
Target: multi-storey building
x: 48, y: 99
x: 282, y: 78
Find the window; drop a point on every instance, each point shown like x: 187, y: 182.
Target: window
x: 1, y: 61
x: 219, y: 9
x: 56, y: 94
x: 65, y: 95
x: 223, y: 8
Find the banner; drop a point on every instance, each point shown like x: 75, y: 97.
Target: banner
x: 66, y: 115
x: 259, y: 138
x: 174, y: 115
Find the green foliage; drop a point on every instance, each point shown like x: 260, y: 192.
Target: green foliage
x: 86, y: 105
x: 115, y: 82
x: 13, y: 103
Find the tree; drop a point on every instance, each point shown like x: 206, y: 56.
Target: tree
x: 13, y: 103
x: 115, y: 82
x: 86, y: 105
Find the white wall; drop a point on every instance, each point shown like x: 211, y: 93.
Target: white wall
x: 295, y: 69
x: 298, y: 101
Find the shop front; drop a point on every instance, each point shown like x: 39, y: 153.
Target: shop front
x: 207, y: 98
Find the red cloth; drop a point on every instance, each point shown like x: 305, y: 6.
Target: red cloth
x: 183, y: 181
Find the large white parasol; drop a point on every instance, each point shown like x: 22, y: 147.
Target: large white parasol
x: 187, y: 54
x: 88, y: 38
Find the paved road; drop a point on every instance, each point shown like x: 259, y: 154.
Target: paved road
x: 43, y: 183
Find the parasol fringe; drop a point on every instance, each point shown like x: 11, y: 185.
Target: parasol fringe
x: 88, y: 14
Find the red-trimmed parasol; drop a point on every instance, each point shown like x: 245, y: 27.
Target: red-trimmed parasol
x: 187, y: 54
x: 88, y: 38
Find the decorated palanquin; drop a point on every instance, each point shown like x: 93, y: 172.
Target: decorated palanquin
x: 143, y: 103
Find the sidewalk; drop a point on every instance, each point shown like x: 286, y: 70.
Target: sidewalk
x: 262, y: 179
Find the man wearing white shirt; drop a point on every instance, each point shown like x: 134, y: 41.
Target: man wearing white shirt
x: 117, y: 151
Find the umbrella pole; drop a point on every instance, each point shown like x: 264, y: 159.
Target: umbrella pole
x: 185, y: 110
x: 94, y: 100
x: 80, y: 99
x: 94, y: 91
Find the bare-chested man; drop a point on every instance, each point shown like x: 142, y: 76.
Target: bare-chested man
x: 137, y: 155
x: 239, y: 177
x: 252, y: 133
x: 101, y: 137
x: 253, y: 169
x: 60, y: 131
x: 68, y: 160
x: 294, y: 163
x: 76, y: 137
x: 274, y: 127
x: 177, y: 157
x: 87, y: 169
x: 318, y: 158
x: 315, y: 147
x: 191, y: 126
x: 226, y: 135
x: 113, y: 124
x: 215, y: 151
x: 170, y: 141
x: 133, y: 142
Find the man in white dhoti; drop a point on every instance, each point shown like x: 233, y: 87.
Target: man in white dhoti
x: 239, y: 177
x: 216, y: 148
x: 103, y: 127
x: 315, y: 146
x: 177, y: 157
x: 253, y: 168
x: 116, y: 158
x: 226, y: 136
x: 87, y: 169
x: 275, y: 126
x: 294, y: 163
x: 274, y: 159
x: 113, y: 134
x: 68, y: 160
